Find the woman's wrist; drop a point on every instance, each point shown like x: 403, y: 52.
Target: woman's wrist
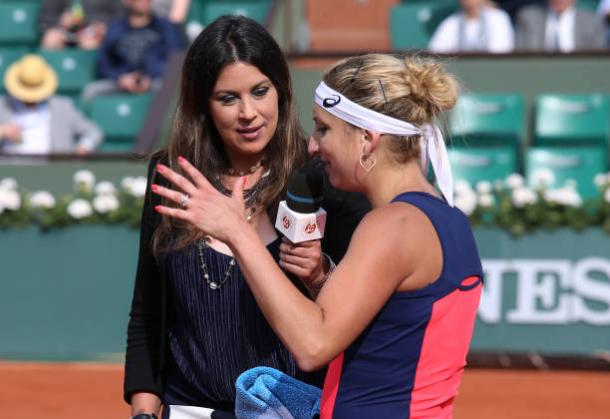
x: 145, y: 403
x: 241, y: 233
x: 328, y: 266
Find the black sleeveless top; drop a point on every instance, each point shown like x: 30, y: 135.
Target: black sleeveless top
x: 215, y: 335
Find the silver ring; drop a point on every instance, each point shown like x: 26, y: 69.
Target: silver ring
x: 184, y: 200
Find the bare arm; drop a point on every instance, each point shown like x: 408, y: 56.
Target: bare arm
x: 179, y: 10
x: 314, y: 332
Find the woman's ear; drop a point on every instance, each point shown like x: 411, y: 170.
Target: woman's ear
x: 370, y: 141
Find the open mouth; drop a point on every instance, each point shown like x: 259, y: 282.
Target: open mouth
x: 250, y: 133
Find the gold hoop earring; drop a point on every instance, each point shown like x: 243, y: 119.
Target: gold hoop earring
x: 372, y: 161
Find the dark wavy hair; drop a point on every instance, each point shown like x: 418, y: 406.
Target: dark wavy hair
x: 227, y: 40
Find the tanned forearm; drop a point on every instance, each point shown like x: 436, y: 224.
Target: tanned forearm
x: 298, y: 321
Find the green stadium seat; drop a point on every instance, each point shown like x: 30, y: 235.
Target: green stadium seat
x: 195, y: 12
x: 482, y: 163
x: 120, y: 116
x: 489, y: 120
x: 580, y: 164
x: 572, y: 119
x: 9, y: 55
x: 74, y: 67
x: 205, y: 11
x: 19, y: 23
x: 412, y: 24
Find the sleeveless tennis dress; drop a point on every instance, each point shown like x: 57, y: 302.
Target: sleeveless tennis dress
x: 409, y: 361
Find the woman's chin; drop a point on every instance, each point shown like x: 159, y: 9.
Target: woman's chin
x: 250, y: 148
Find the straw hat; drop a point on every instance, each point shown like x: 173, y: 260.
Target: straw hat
x: 30, y: 79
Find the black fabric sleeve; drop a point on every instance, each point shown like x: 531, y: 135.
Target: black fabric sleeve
x: 145, y: 328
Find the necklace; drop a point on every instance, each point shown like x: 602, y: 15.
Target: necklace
x: 202, y: 244
x: 252, y: 197
x: 252, y: 169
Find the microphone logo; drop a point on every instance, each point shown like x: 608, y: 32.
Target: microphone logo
x: 332, y: 101
x: 310, y: 228
x: 286, y: 222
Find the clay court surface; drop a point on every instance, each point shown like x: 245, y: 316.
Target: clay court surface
x: 93, y: 391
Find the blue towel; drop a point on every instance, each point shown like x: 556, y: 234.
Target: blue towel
x: 264, y: 392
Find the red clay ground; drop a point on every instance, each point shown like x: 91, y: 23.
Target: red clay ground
x: 71, y: 391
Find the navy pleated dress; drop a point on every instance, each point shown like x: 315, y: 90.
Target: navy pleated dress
x: 215, y: 335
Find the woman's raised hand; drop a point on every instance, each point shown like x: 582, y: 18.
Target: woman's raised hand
x: 200, y: 204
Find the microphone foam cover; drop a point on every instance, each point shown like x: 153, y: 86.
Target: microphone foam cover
x: 305, y: 191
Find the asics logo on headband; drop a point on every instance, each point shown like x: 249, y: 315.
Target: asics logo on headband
x: 329, y: 102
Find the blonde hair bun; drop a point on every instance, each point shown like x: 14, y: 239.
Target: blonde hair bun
x: 428, y: 82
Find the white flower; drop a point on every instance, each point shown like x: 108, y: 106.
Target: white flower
x: 607, y: 195
x: 126, y: 183
x: 79, y: 208
x: 564, y: 196
x: 10, y: 199
x: 486, y: 200
x: 484, y: 187
x: 601, y: 179
x: 571, y: 197
x: 515, y: 181
x: 523, y: 196
x: 461, y: 186
x: 42, y: 199
x: 138, y: 187
x: 8, y: 184
x: 105, y: 203
x: 542, y: 178
x: 466, y: 201
x: 105, y: 188
x: 84, y: 179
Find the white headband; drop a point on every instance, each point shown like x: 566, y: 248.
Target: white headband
x: 432, y: 143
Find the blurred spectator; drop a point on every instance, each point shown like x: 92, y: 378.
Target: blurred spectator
x: 604, y: 11
x: 134, y: 52
x: 34, y: 121
x: 174, y: 10
x: 560, y: 27
x: 479, y: 26
x: 79, y: 23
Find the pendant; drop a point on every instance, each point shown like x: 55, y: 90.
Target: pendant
x: 213, y: 285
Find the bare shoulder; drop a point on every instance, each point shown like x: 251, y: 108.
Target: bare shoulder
x: 398, y: 224
x: 394, y: 215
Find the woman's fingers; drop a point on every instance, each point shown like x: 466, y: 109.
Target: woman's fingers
x: 176, y: 179
x: 298, y: 260
x: 177, y: 213
x: 302, y: 259
x: 297, y: 270
x: 195, y: 175
x: 304, y: 249
x: 170, y: 194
